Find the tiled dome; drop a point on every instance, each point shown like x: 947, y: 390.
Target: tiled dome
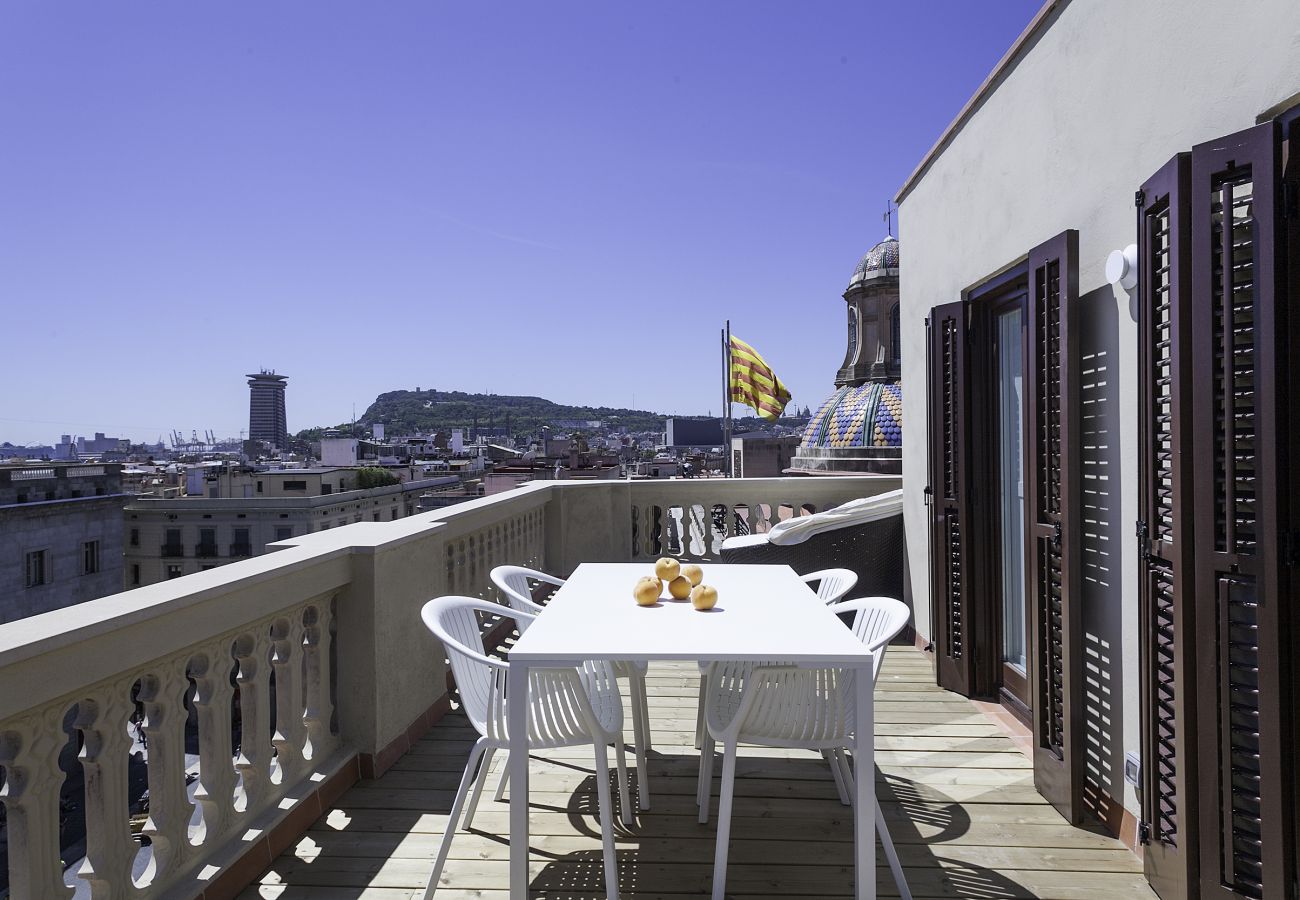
x: 868, y: 415
x: 879, y: 259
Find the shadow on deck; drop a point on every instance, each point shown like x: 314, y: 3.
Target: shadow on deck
x: 957, y: 793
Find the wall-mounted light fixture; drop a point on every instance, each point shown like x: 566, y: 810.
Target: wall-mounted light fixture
x: 1122, y: 267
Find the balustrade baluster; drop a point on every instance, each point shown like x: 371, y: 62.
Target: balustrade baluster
x: 316, y: 648
x: 213, y: 696
x: 110, y: 849
x: 29, y: 755
x: 254, y: 761
x: 163, y: 694
x: 694, y: 534
x: 290, y: 730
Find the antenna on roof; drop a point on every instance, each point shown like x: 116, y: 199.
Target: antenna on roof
x: 889, y: 219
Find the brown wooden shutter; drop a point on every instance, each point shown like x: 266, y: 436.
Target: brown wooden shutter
x: 1289, y: 461
x: 1051, y: 534
x: 1241, y: 350
x: 1164, y: 528
x: 949, y: 497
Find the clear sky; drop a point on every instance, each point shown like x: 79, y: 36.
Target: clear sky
x: 562, y: 199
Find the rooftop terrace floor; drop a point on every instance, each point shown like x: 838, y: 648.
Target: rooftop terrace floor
x: 957, y: 792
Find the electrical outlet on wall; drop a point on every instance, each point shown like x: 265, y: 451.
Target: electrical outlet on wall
x: 1133, y: 768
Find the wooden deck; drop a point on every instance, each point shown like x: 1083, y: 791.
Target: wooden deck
x: 958, y: 795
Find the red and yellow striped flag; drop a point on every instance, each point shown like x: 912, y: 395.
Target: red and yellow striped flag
x: 753, y: 382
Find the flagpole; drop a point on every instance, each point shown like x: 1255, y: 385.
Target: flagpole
x: 726, y: 400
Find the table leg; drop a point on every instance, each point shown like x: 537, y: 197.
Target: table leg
x: 864, y: 770
x: 517, y: 723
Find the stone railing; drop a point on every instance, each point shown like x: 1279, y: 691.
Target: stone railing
x: 248, y: 697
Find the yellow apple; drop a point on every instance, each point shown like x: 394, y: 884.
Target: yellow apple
x: 646, y: 592
x: 704, y: 597
x: 679, y: 587
x: 668, y: 568
x: 693, y: 573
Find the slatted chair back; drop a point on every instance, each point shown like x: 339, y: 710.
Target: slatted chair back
x: 876, y: 622
x: 512, y: 581
x: 832, y: 584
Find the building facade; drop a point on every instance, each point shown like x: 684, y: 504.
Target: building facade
x: 169, y: 538
x: 1098, y: 333
x: 266, y: 417
x: 60, y: 536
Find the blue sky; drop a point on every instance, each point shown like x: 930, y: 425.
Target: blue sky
x: 562, y: 199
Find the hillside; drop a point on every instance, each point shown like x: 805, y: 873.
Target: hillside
x: 406, y: 412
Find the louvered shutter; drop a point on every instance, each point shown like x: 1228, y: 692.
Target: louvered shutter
x: 1052, y: 543
x: 1164, y: 527
x: 949, y: 497
x: 1240, y: 352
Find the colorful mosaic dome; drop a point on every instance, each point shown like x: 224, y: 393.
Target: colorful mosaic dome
x: 868, y: 415
x: 878, y: 259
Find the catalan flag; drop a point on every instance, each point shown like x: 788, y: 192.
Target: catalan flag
x: 753, y: 382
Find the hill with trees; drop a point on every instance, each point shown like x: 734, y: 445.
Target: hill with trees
x: 425, y: 411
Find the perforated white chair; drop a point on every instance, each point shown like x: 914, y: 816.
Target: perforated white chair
x: 513, y: 582
x: 832, y: 584
x: 566, y: 708
x: 778, y: 705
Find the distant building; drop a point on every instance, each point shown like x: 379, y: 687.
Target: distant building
x: 759, y: 455
x: 244, y: 511
x: 266, y: 418
x: 60, y: 536
x: 693, y: 432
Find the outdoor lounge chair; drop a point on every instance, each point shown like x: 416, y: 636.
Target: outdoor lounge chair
x: 864, y: 536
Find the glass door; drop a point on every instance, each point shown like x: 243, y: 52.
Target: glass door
x: 1010, y: 458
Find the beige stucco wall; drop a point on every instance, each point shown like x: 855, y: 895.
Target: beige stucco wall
x: 1107, y: 94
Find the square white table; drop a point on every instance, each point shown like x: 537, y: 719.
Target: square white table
x: 763, y: 612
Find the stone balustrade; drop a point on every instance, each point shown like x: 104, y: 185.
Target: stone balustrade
x: 254, y: 693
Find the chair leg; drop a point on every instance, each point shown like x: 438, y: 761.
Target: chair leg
x: 606, y: 820
x: 843, y: 758
x: 641, y: 734
x: 891, y: 854
x: 624, y: 798
x: 833, y: 761
x: 704, y: 790
x: 724, y: 820
x: 454, y: 817
x: 478, y: 786
x: 699, y: 710
x: 501, y: 785
x: 642, y: 706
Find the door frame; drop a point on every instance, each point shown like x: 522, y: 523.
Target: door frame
x: 987, y: 300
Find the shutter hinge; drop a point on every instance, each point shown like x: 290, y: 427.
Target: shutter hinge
x: 1140, y: 199
x: 929, y: 495
x: 1144, y: 542
x: 1144, y: 833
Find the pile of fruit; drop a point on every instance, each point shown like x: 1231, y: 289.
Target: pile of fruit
x: 683, y: 581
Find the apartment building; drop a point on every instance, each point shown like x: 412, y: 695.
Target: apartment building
x: 60, y: 536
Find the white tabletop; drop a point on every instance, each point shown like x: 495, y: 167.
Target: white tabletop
x: 763, y: 612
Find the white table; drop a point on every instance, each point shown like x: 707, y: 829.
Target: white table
x: 763, y: 612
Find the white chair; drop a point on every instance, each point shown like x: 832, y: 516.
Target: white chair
x: 566, y: 708
x: 778, y: 705
x: 832, y: 584
x: 513, y: 582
